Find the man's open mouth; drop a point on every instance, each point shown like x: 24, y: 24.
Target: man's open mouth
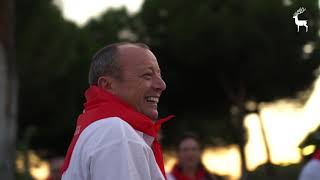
x: 152, y: 99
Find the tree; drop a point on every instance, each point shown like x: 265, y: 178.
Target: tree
x: 47, y: 56
x: 53, y: 57
x: 245, y: 50
x: 8, y: 91
x: 215, y: 56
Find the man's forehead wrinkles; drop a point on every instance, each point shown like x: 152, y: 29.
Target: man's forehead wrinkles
x: 151, y: 67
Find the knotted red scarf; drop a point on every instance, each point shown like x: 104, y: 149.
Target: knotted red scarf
x: 99, y: 105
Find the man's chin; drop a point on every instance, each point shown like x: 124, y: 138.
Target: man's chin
x: 152, y: 115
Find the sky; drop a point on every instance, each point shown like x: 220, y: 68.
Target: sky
x: 80, y: 11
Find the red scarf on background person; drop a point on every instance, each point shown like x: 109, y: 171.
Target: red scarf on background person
x: 101, y: 104
x: 316, y: 155
x: 177, y: 173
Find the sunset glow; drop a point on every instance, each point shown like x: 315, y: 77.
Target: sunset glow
x: 286, y: 125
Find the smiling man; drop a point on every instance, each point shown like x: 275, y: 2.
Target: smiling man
x: 116, y: 135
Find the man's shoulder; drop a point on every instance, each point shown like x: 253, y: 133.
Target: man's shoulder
x: 110, y: 130
x: 114, y: 125
x: 110, y: 122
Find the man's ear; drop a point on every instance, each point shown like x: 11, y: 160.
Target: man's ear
x: 105, y: 82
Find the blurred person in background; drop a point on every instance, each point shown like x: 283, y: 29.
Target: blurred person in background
x: 55, y: 166
x: 116, y: 136
x: 311, y: 170
x: 189, y: 165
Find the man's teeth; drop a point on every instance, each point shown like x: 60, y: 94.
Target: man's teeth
x: 153, y: 99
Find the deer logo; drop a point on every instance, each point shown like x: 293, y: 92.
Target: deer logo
x: 300, y: 22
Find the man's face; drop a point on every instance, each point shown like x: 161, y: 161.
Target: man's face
x: 189, y: 153
x: 141, y: 84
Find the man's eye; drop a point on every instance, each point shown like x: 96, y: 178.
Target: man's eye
x: 147, y: 76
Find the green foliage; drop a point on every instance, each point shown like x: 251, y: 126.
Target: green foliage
x: 209, y: 52
x: 216, y: 54
x: 46, y: 53
x: 254, y: 42
x: 53, y: 59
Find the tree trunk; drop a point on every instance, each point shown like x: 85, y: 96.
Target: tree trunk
x: 270, y: 171
x: 238, y: 112
x: 237, y: 117
x: 8, y: 92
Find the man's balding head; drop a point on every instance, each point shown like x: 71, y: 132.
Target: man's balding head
x: 106, y: 61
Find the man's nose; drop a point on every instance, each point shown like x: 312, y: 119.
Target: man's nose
x: 159, y: 84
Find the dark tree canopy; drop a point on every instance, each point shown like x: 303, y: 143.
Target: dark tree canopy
x: 213, y: 55
x: 217, y: 52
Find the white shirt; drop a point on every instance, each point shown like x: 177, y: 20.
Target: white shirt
x: 110, y: 149
x: 311, y: 171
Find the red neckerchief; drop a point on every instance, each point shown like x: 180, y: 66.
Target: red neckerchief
x: 316, y: 155
x: 101, y: 104
x: 176, y: 172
